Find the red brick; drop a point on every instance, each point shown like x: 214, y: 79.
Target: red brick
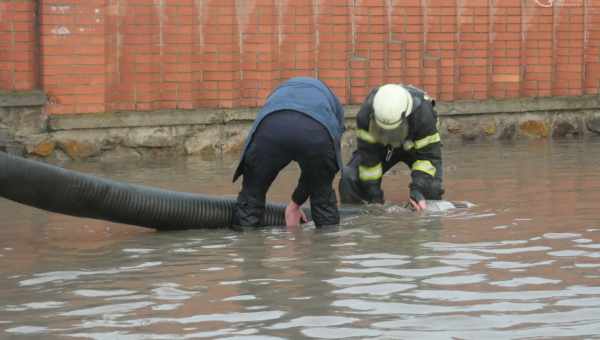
x: 195, y: 54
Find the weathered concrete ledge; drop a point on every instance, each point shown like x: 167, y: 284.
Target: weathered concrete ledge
x: 211, y: 132
x: 22, y: 99
x: 521, y: 105
x: 223, y: 116
x: 21, y: 115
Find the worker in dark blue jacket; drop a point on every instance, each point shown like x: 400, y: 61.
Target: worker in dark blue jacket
x: 303, y: 121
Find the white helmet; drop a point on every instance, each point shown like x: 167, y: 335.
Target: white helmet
x: 391, y: 105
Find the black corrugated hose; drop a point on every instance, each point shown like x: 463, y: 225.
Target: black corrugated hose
x: 68, y: 192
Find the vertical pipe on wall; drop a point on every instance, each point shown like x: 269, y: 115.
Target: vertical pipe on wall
x: 200, y: 8
x: 351, y: 5
x: 458, y: 52
x: 490, y: 47
x: 395, y: 52
x: 199, y: 42
x: 159, y: 5
x: 281, y: 32
x: 585, y: 37
x: 425, y: 23
x: 349, y: 54
x: 37, y: 49
x: 317, y: 41
x: 279, y: 38
x: 553, y: 63
x: 523, y: 49
x: 240, y: 32
x: 388, y: 40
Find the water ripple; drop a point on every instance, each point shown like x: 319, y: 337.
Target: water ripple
x: 518, y: 265
x: 485, y: 247
x: 383, y: 263
x: 416, y: 272
x: 102, y: 293
x: 554, y: 321
x: 560, y: 236
x: 590, y: 246
x: 24, y: 330
x: 581, y: 302
x: 172, y: 293
x: 376, y: 289
x: 353, y: 281
x: 226, y: 317
x: 169, y: 306
x: 41, y: 278
x: 375, y: 256
x: 138, y: 250
x: 387, y: 308
x: 340, y: 332
x: 456, y: 280
x: 515, y: 250
x: 464, y: 296
x: 108, y: 309
x: 524, y: 281
x: 32, y: 306
x: 241, y: 298
x: 567, y: 253
x: 313, y: 321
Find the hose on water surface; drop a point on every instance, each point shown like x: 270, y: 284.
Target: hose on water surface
x: 68, y: 192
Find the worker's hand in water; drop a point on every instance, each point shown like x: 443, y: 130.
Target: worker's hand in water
x: 294, y: 215
x: 418, y: 205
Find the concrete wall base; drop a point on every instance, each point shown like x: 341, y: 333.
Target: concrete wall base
x: 210, y: 133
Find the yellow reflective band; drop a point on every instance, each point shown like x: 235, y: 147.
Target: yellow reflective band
x: 373, y: 173
x: 409, y: 144
x: 424, y: 166
x: 423, y: 142
x: 366, y: 136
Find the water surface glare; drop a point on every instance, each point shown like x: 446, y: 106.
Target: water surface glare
x: 524, y: 262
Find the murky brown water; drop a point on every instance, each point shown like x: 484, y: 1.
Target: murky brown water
x: 523, y: 263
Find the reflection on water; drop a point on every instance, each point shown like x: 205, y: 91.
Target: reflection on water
x: 523, y: 263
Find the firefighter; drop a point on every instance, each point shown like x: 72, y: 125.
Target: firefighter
x: 395, y: 123
x: 302, y: 120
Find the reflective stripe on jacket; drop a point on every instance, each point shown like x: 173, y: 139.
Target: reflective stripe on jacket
x: 422, y: 145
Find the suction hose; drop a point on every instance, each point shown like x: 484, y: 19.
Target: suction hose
x: 72, y: 193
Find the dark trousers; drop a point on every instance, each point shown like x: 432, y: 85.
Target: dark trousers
x: 282, y: 137
x: 350, y: 187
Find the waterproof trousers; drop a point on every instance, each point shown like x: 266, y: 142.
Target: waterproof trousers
x: 282, y: 137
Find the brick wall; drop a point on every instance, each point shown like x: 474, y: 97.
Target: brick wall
x: 18, y: 43
x: 115, y: 55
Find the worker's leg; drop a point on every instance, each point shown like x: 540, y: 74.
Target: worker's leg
x: 318, y: 167
x: 264, y: 159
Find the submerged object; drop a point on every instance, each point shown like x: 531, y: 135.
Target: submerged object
x: 433, y: 206
x: 441, y: 205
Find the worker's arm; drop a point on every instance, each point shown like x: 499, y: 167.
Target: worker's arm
x: 426, y: 170
x: 370, y: 152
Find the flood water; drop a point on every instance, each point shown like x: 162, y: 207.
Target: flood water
x: 523, y: 263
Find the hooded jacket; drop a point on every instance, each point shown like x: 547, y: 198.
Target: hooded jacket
x: 306, y: 95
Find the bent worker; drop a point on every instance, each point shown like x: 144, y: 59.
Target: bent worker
x: 303, y: 121
x: 395, y: 123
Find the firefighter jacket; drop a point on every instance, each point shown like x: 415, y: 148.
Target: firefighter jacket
x: 418, y: 146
